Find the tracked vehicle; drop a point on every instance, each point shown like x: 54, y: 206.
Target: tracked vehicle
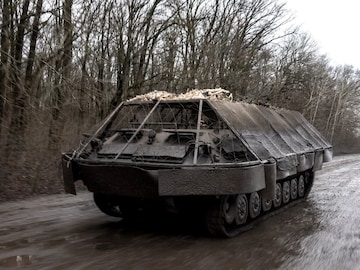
x: 232, y: 162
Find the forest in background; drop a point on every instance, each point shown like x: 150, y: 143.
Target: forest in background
x: 66, y: 63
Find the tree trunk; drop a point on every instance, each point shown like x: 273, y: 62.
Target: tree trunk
x: 58, y: 121
x: 15, y: 141
x: 4, y: 49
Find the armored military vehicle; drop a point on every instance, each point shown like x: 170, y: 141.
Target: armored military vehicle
x: 232, y: 162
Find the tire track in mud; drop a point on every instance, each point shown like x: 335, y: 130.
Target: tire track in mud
x: 336, y: 197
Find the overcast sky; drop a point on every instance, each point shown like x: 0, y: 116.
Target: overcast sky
x: 333, y: 24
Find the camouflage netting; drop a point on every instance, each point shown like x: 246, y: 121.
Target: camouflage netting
x: 212, y: 94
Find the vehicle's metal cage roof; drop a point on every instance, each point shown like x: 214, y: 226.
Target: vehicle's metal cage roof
x: 271, y: 132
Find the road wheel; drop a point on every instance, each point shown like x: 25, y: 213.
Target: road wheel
x: 220, y: 215
x: 229, y: 208
x: 254, y: 205
x: 266, y: 204
x: 301, y: 186
x: 286, y: 192
x: 278, y: 198
x: 242, y: 209
x: 294, y: 189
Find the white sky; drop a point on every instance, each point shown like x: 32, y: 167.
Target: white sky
x: 333, y: 24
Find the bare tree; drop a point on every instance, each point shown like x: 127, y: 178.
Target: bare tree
x: 346, y: 89
x: 138, y: 27
x: 4, y: 51
x: 18, y: 116
x: 318, y: 84
x: 62, y: 82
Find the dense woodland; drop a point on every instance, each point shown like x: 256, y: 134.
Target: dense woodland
x: 66, y: 63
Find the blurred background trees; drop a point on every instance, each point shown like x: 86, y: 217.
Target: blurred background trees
x: 66, y: 63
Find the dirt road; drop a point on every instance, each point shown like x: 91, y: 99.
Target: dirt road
x: 68, y: 232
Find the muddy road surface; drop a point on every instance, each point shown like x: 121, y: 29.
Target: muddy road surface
x: 68, y: 232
